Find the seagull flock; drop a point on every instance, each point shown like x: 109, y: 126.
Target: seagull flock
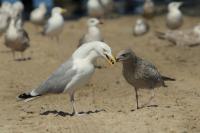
x: 77, y: 70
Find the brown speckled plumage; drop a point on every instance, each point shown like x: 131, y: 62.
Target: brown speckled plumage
x: 140, y: 73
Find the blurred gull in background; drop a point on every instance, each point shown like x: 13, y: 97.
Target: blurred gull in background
x: 16, y: 38
x: 174, y: 18
x: 141, y: 27
x: 148, y: 9
x: 5, y: 16
x: 55, y: 23
x: 188, y: 37
x: 99, y: 8
x: 37, y: 16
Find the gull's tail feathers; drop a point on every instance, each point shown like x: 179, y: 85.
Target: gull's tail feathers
x: 165, y: 78
x: 26, y: 97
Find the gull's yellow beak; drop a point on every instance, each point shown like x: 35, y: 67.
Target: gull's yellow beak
x: 63, y: 11
x: 111, y: 59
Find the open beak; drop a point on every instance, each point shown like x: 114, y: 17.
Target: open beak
x: 111, y: 59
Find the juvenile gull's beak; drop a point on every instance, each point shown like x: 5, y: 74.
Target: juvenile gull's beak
x: 111, y: 59
x: 118, y: 58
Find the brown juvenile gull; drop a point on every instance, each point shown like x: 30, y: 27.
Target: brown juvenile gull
x: 74, y: 73
x: 16, y: 38
x: 93, y: 32
x: 141, y: 27
x: 174, y: 18
x: 140, y: 73
x: 188, y: 37
x: 148, y: 9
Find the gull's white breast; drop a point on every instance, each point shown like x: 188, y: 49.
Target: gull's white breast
x: 84, y: 71
x: 56, y: 24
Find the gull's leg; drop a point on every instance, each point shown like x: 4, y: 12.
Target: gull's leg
x: 13, y: 54
x: 74, y: 112
x: 136, y: 95
x: 150, y: 102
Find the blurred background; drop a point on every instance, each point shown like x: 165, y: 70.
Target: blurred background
x: 77, y: 8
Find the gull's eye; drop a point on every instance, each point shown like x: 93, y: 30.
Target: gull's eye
x: 104, y: 50
x: 124, y: 55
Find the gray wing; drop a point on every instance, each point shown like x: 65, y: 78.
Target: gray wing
x: 147, y: 71
x: 57, y: 82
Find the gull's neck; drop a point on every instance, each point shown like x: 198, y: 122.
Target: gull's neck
x: 87, y: 53
x: 56, y: 14
x: 93, y: 30
x: 174, y: 10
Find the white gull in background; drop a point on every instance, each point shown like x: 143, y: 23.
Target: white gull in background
x: 5, y: 16
x: 74, y: 73
x: 55, y: 23
x: 174, y: 18
x: 93, y: 32
x: 99, y: 8
x: 37, y: 16
x: 148, y: 9
x: 141, y: 27
x: 18, y: 8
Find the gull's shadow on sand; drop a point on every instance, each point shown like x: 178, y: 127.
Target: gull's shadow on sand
x: 149, y: 106
x: 61, y: 113
x: 23, y: 59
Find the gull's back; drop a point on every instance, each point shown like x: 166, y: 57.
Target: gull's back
x: 57, y: 82
x: 143, y: 74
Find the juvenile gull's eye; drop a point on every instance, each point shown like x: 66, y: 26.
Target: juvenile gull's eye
x: 124, y: 55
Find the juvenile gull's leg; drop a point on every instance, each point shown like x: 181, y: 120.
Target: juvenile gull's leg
x: 136, y: 95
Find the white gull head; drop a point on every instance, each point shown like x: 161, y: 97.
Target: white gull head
x: 92, y: 50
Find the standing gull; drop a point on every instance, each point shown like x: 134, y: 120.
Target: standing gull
x: 16, y: 38
x: 140, y: 73
x: 37, y: 16
x: 55, y: 23
x: 148, y: 9
x: 18, y: 8
x: 174, y: 18
x: 93, y: 32
x: 95, y: 8
x: 141, y: 27
x: 5, y: 17
x: 188, y: 37
x: 74, y: 73
x: 99, y: 8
